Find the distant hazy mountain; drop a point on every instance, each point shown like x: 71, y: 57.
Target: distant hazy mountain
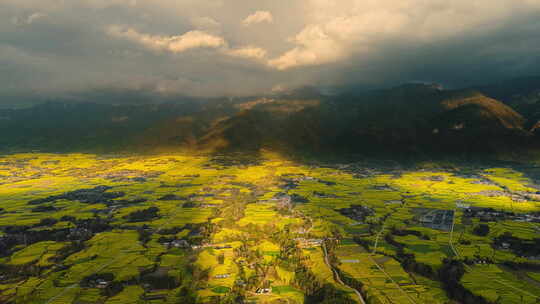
x: 406, y: 119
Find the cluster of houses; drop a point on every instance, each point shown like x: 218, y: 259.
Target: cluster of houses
x: 438, y: 219
x: 100, y: 283
x: 504, y: 245
x: 185, y: 244
x: 201, y: 197
x: 434, y: 178
x: 79, y: 233
x: 208, y: 205
x: 222, y: 276
x: 478, y: 261
x: 515, y: 197
x: 491, y: 215
x: 291, y: 182
x: 261, y: 291
x: 302, y: 230
x: 309, y: 243
x: 283, y: 201
x: 177, y: 244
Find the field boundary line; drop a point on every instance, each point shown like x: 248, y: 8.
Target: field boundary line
x: 470, y: 269
x: 105, y: 265
x: 377, y: 239
x: 382, y: 269
x: 336, y: 274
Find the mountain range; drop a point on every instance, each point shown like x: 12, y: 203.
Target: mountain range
x: 411, y: 118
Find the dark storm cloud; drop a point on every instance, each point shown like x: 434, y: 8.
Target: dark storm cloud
x: 508, y: 51
x: 217, y: 47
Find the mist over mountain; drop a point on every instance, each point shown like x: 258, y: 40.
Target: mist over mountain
x: 407, y: 119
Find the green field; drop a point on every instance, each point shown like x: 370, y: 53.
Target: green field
x: 190, y: 229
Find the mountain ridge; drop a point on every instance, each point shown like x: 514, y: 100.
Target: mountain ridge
x: 407, y: 118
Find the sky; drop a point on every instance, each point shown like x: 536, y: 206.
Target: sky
x: 247, y: 47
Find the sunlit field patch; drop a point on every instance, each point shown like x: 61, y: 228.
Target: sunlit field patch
x: 222, y: 229
x: 497, y: 285
x: 38, y: 253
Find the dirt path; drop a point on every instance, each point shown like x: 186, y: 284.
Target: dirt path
x: 338, y: 279
x: 384, y: 271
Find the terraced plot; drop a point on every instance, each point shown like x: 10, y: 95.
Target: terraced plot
x: 194, y: 229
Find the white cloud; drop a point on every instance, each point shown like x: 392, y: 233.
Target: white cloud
x: 190, y: 40
x: 174, y: 44
x: 367, y: 38
x: 248, y: 52
x: 338, y: 30
x: 258, y: 17
x: 315, y: 46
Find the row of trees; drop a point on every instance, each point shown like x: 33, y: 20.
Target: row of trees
x: 143, y: 215
x: 521, y: 247
x: 449, y: 274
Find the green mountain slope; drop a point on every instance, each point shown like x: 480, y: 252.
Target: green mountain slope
x: 405, y: 119
x: 522, y: 94
x: 408, y: 118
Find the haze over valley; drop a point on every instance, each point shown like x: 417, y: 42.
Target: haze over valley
x: 210, y: 151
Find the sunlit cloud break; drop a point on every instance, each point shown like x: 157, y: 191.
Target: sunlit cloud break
x: 174, y: 44
x: 258, y: 17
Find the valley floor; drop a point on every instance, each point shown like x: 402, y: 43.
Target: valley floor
x: 81, y: 228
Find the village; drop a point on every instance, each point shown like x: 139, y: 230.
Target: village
x: 492, y: 215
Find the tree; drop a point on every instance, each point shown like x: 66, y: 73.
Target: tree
x: 143, y: 215
x: 481, y: 230
x: 186, y: 296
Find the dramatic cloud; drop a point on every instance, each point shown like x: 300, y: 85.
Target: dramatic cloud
x: 315, y: 46
x: 184, y: 42
x: 248, y: 52
x: 175, y: 44
x: 258, y: 17
x: 339, y: 31
x: 218, y: 47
